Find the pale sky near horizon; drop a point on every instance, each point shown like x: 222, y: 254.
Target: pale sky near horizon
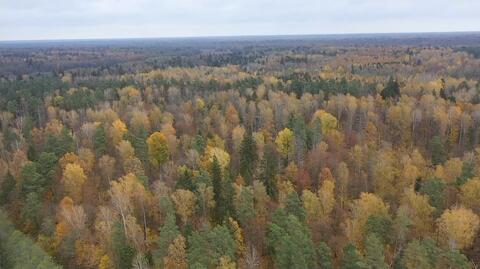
x: 82, y: 19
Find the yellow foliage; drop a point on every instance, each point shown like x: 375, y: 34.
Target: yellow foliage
x: 458, y: 227
x: 470, y: 194
x: 176, y: 256
x: 222, y: 156
x: 327, y: 120
x: 184, y: 201
x: 367, y: 205
x: 285, y: 143
x: 73, y: 180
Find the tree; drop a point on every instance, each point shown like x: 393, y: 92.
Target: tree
x: 290, y: 242
x: 168, y: 232
x: 285, y: 143
x: 100, y: 140
x: 293, y: 205
x: 32, y: 180
x: 268, y: 168
x: 328, y: 122
x: 176, y: 257
x: 185, y: 202
x: 73, y: 180
x: 220, y: 211
x: 122, y: 251
x: 367, y: 205
x: 438, y: 153
x: 244, y: 205
x: 105, y: 263
x: 351, y: 258
x: 470, y: 194
x: 391, y: 90
x: 434, y: 189
x: 374, y: 253
x: 248, y: 157
x: 418, y: 256
x: 458, y: 227
x: 157, y: 149
x: 207, y: 246
x: 324, y: 256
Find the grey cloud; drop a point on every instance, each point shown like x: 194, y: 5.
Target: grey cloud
x: 43, y: 19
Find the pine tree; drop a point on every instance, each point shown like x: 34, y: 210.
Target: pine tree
x: 391, y: 90
x: 248, y: 158
x: 216, y: 174
x: 100, y: 140
x: 374, y: 252
x: 269, y: 170
x: 123, y: 252
x: 351, y: 258
x: 168, y: 232
x: 324, y: 256
x: 438, y: 153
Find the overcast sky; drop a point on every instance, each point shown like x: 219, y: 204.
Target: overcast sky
x: 79, y: 19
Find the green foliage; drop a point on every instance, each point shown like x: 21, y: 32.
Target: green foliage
x: 324, y: 256
x: 168, y: 232
x: 32, y: 180
x: 351, y: 258
x: 374, y: 252
x: 438, y: 152
x: 391, y: 90
x: 245, y: 206
x: 61, y: 144
x: 31, y: 211
x: 123, y: 252
x: 208, y: 245
x: 248, y: 158
x: 18, y: 251
x: 378, y: 225
x: 100, y: 140
x: 268, y: 168
x: 290, y: 242
x: 294, y: 206
x: 434, y: 189
x: 6, y: 188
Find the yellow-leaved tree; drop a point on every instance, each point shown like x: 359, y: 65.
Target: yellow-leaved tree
x: 367, y: 205
x: 458, y: 227
x: 327, y: 120
x: 73, y: 180
x: 285, y: 143
x: 157, y: 149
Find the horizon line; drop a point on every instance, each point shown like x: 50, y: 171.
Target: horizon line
x: 233, y: 36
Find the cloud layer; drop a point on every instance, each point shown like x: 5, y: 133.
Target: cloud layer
x: 66, y: 19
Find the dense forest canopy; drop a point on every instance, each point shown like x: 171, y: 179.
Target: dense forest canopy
x: 257, y: 152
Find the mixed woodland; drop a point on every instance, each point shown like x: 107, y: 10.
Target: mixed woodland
x: 350, y: 154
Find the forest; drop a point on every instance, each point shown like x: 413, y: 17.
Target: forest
x: 348, y: 152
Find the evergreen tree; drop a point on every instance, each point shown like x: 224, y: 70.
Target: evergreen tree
x: 268, y: 167
x: 294, y: 206
x: 248, y: 158
x: 32, y: 180
x: 100, y: 140
x: 434, y: 189
x: 168, y: 232
x: 290, y: 242
x: 6, y: 188
x: 208, y: 245
x: 374, y: 252
x: 391, y: 90
x: 123, y: 252
x: 351, y: 258
x: 219, y: 211
x: 438, y: 153
x: 324, y: 256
